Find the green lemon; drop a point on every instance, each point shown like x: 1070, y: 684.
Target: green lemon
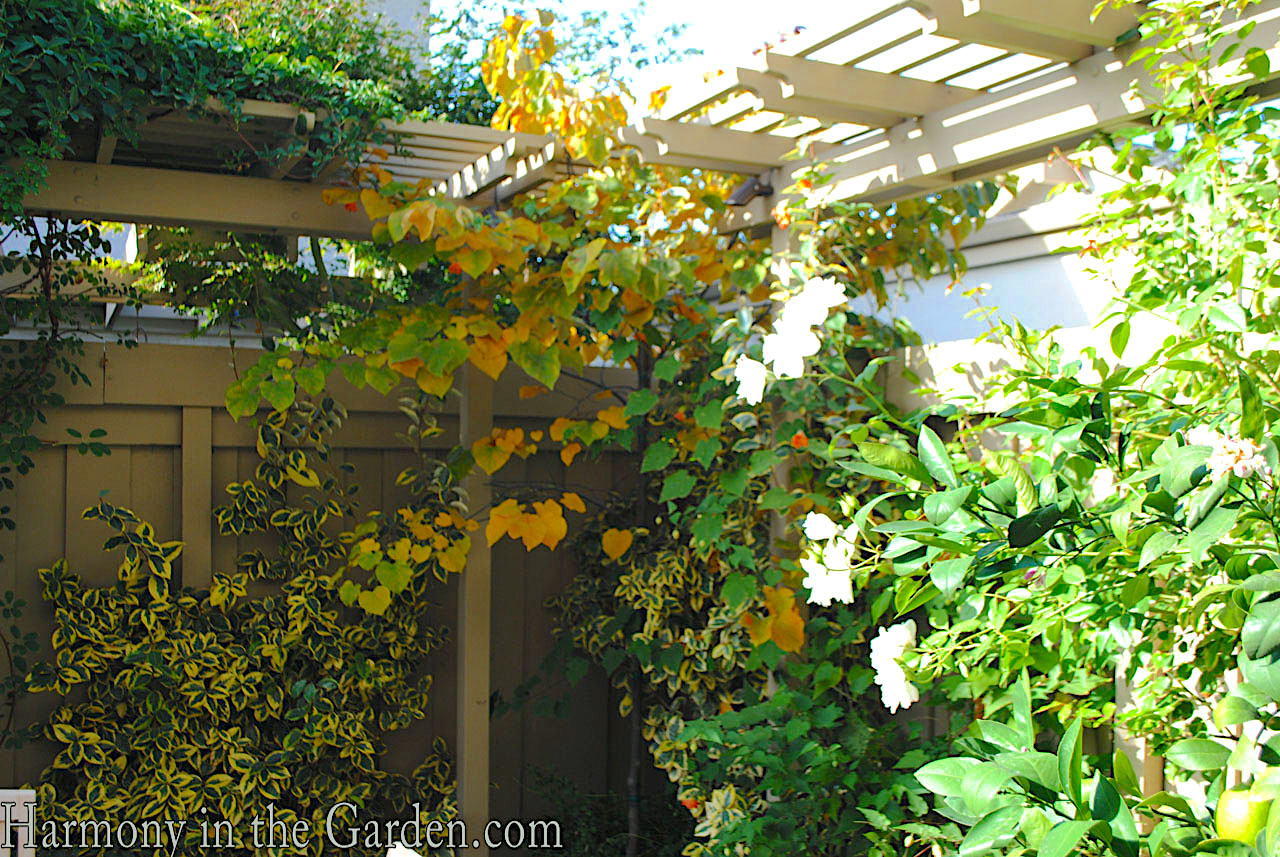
x: 1240, y: 817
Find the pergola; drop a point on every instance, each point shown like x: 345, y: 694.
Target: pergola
x: 895, y: 98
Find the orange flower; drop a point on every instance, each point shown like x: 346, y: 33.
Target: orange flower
x: 691, y: 803
x: 799, y: 441
x: 455, y: 268
x: 351, y: 206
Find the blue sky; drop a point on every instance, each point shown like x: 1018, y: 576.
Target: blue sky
x: 725, y: 30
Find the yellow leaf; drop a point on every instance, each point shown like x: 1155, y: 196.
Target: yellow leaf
x: 535, y: 436
x: 570, y: 452
x: 788, y: 624
x: 489, y: 354
x: 501, y: 518
x: 489, y: 455
x: 453, y: 558
x: 422, y: 214
x: 573, y: 501
x: 408, y: 368
x: 434, y: 385
x: 375, y: 204
x: 559, y: 427
x: 338, y: 195
x: 615, y: 417
x: 375, y: 601
x: 616, y: 542
x: 509, y: 439
x: 399, y: 552
x: 552, y: 524
x: 758, y: 629
x: 528, y: 391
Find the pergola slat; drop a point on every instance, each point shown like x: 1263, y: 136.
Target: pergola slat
x: 876, y: 93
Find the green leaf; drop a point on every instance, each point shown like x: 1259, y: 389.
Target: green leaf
x: 939, y: 507
x: 1119, y: 338
x: 1233, y: 710
x: 709, y: 415
x: 995, y: 830
x: 892, y: 458
x: 1027, y: 529
x: 541, y: 364
x: 677, y: 485
x: 1108, y: 806
x: 1210, y: 531
x: 1071, y: 763
x: 1251, y: 417
x: 1063, y: 838
x: 1022, y: 718
x: 657, y: 456
x: 641, y: 402
x: 1261, y: 632
x: 948, y: 574
x: 1024, y: 488
x: 1263, y: 673
x: 933, y: 454
x: 1198, y: 754
x: 1156, y: 546
x: 242, y: 399
x: 667, y: 368
x: 738, y: 589
x: 982, y: 784
x: 1126, y: 777
x: 280, y: 394
x: 1178, y: 474
x: 443, y: 356
x: 946, y: 776
x: 310, y: 379
x: 1227, y: 316
x: 1033, y: 765
x: 394, y: 575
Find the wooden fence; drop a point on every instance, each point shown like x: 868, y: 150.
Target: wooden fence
x: 173, y: 450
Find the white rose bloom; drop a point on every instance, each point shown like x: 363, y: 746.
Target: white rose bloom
x: 793, y: 338
x: 750, y: 375
x: 787, y: 347
x: 819, y: 527
x: 814, y: 302
x: 896, y: 690
x: 837, y: 554
x: 826, y: 585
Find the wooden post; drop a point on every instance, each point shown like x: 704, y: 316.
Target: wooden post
x: 1147, y: 765
x: 474, y: 621
x: 197, y: 497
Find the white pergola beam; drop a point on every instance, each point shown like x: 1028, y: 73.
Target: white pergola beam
x: 947, y: 18
x: 180, y: 198
x: 707, y: 146
x: 1071, y: 20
